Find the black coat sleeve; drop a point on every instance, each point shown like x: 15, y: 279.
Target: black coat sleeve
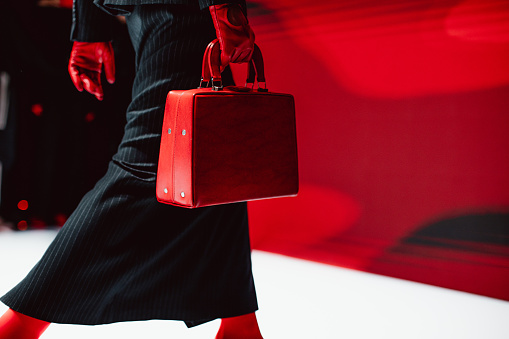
x: 90, y: 23
x: 207, y: 3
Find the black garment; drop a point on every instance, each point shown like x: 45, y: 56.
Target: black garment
x: 124, y: 256
x: 122, y: 6
x: 92, y: 23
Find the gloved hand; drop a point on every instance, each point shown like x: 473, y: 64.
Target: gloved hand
x: 86, y: 63
x: 236, y: 38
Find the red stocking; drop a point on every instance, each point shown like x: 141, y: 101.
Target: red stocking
x: 14, y: 325
x: 244, y: 326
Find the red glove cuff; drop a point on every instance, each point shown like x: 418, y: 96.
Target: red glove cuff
x: 233, y: 32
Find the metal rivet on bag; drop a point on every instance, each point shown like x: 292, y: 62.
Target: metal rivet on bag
x: 165, y: 190
x: 182, y: 194
x: 169, y: 130
x: 183, y: 132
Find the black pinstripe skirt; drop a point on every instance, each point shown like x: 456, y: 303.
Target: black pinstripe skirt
x: 122, y: 255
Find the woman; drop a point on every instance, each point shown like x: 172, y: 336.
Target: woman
x: 122, y: 256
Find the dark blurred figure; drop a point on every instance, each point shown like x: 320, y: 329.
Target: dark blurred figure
x: 57, y: 142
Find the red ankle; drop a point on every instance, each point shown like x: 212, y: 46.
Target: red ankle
x: 14, y: 325
x: 241, y: 327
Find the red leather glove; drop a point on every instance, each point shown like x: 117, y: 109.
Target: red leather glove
x: 86, y: 63
x: 236, y: 37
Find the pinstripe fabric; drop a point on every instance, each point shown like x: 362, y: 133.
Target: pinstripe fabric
x: 124, y: 256
x: 93, y: 23
x: 119, y: 6
x: 90, y: 23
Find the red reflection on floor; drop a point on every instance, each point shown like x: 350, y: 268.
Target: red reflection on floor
x: 481, y: 272
x: 283, y: 224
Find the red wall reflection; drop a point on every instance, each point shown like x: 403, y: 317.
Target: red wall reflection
x: 403, y: 119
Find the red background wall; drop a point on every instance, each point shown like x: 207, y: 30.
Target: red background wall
x: 403, y: 122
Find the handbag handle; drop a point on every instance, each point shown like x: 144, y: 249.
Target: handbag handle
x: 256, y: 68
x: 205, y: 68
x: 211, y: 68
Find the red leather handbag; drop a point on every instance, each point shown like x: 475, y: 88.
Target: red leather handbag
x: 227, y: 144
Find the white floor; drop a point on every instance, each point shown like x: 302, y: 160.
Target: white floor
x: 301, y: 299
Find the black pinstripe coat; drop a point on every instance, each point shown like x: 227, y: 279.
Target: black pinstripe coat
x: 122, y: 255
